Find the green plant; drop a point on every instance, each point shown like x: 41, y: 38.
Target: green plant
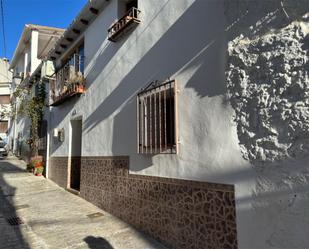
x: 18, y: 92
x: 34, y: 109
x: 30, y: 167
x: 39, y: 170
x: 37, y: 165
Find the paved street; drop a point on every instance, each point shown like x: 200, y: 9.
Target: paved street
x: 55, y: 218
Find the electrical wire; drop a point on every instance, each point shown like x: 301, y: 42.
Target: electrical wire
x: 3, y: 30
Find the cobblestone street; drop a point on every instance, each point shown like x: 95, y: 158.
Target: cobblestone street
x: 54, y: 218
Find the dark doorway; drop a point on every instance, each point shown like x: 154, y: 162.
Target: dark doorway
x: 76, y: 151
x: 42, y: 143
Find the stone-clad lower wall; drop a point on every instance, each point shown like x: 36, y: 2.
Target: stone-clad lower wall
x: 58, y: 170
x: 179, y: 213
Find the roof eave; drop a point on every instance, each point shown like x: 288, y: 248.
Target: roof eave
x: 28, y: 28
x: 19, y: 45
x: 76, y: 23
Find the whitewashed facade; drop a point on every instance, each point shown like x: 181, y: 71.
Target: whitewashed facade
x: 208, y: 194
x: 33, y: 46
x: 5, y: 108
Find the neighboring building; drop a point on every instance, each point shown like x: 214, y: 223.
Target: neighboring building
x: 33, y: 46
x: 5, y: 107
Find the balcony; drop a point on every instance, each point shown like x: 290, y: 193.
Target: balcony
x: 69, y: 81
x: 124, y: 25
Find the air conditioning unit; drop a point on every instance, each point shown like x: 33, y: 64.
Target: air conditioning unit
x: 55, y: 132
x: 48, y: 70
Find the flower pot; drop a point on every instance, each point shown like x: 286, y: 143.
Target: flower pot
x: 38, y: 174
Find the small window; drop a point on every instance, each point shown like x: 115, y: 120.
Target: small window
x: 81, y: 53
x: 157, y: 119
x: 75, y: 59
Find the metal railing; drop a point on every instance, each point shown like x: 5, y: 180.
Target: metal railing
x: 157, y: 119
x: 129, y: 18
x: 69, y: 79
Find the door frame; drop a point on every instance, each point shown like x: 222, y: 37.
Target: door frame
x: 77, y: 118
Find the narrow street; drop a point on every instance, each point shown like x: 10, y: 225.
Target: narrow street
x: 54, y: 218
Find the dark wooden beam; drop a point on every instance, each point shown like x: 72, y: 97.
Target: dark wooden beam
x: 76, y: 31
x: 69, y: 39
x: 57, y: 52
x: 93, y: 10
x: 84, y: 21
x: 63, y: 46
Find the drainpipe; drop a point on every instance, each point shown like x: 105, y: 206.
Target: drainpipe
x: 15, y: 129
x: 47, y: 145
x: 48, y: 136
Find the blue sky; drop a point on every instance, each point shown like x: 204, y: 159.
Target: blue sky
x: 17, y: 13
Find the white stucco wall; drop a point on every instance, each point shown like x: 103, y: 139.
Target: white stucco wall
x: 34, y: 50
x: 185, y: 40
x: 5, y: 74
x: 157, y: 49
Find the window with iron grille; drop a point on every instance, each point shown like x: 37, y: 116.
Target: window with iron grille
x: 157, y: 118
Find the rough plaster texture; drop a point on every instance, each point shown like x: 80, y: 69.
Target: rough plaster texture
x: 268, y: 82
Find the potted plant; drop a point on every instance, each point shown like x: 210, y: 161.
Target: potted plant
x: 36, y: 165
x: 39, y: 168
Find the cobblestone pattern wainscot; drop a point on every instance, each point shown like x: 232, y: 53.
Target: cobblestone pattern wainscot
x: 179, y: 213
x: 58, y: 170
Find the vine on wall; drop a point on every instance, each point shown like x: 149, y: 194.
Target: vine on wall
x: 33, y: 108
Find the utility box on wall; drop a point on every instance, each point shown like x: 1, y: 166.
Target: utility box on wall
x: 58, y: 134
x: 61, y: 135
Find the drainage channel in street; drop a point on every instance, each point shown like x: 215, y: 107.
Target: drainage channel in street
x: 15, y: 221
x: 95, y: 215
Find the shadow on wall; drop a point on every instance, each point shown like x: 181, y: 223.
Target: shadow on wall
x: 201, y: 65
x: 280, y: 199
x: 169, y: 57
x: 162, y: 61
x: 58, y: 114
x: 23, y: 148
x: 9, y: 234
x: 171, y: 54
x: 101, y: 59
x: 279, y: 205
x: 97, y: 242
x: 110, y: 49
x: 250, y: 19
